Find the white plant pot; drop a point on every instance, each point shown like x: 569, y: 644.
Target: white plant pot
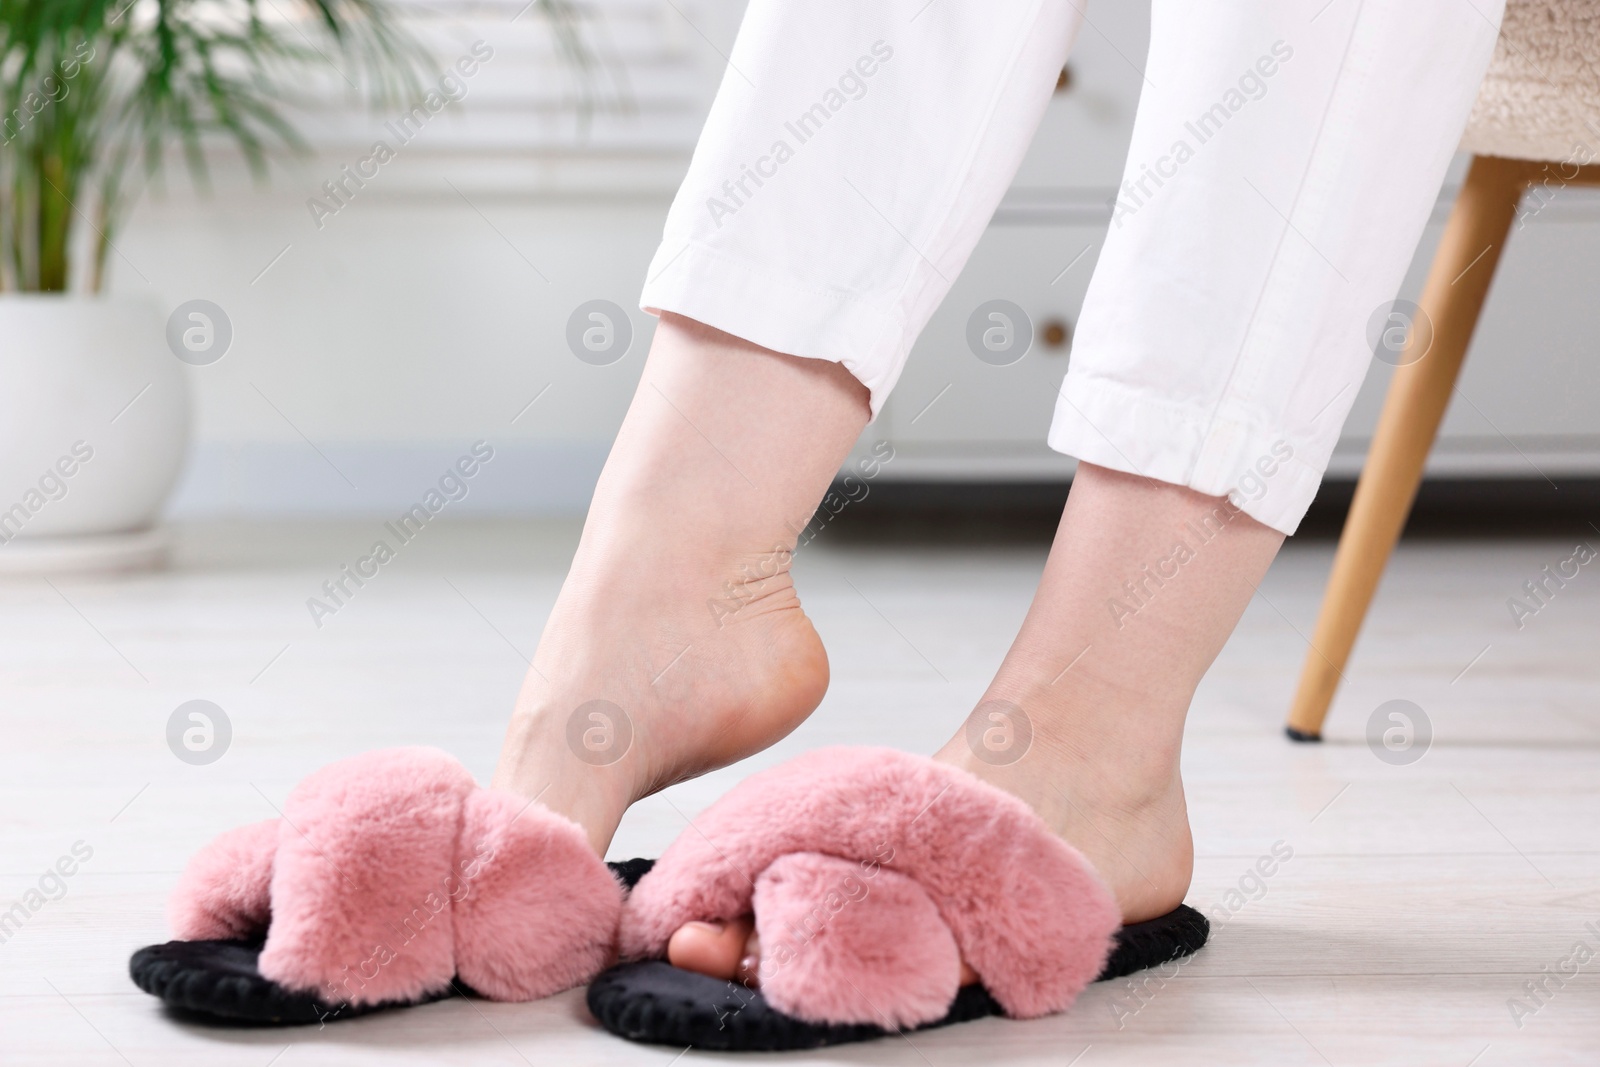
x: 94, y: 426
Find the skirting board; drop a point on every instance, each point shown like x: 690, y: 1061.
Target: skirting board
x: 557, y: 478
x: 1538, y: 458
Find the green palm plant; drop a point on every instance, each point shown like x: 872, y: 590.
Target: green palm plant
x: 95, y: 93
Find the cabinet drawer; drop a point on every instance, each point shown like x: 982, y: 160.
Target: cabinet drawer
x: 953, y: 401
x: 1083, y: 137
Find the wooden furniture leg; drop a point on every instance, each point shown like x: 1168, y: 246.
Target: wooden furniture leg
x: 1420, y: 391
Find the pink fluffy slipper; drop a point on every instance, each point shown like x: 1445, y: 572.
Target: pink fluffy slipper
x: 871, y: 875
x: 391, y: 879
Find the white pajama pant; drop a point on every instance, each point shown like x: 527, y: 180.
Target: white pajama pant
x: 1285, y: 157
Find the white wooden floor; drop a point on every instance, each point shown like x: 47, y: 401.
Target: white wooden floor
x: 1418, y: 901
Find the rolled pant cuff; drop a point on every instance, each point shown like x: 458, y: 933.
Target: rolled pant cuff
x: 1265, y: 475
x: 751, y: 301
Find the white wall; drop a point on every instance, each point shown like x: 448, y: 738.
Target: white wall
x: 405, y: 330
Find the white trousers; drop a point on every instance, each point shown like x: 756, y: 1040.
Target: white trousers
x: 1285, y: 157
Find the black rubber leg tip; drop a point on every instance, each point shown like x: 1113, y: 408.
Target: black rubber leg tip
x: 1301, y: 736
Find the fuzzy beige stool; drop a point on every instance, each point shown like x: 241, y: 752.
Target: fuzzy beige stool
x: 1536, y: 122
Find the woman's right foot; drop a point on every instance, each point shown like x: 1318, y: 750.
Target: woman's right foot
x: 677, y: 644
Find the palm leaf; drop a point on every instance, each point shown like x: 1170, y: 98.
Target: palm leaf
x: 161, y: 74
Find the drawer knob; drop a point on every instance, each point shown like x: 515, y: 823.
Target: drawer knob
x: 1064, y: 79
x: 1056, y: 333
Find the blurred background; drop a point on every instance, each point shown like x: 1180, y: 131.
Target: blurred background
x: 378, y: 331
x: 300, y: 339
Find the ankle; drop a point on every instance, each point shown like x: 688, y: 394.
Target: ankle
x: 537, y: 762
x: 1122, y: 738
x: 1063, y: 786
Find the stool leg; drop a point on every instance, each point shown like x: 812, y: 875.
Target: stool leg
x: 1457, y: 284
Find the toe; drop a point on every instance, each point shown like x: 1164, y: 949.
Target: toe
x: 711, y: 948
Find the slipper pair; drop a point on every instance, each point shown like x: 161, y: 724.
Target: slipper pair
x: 872, y: 874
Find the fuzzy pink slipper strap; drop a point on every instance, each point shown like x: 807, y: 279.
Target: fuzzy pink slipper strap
x: 541, y: 912
x: 844, y: 945
x: 224, y: 893
x: 365, y: 870
x: 1025, y: 909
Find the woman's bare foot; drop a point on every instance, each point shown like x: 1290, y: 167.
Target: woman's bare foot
x: 677, y: 644
x: 1084, y: 720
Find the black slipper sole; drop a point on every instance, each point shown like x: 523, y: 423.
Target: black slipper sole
x: 658, y: 1003
x: 221, y: 981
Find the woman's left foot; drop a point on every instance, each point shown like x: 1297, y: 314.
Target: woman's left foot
x: 1084, y: 721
